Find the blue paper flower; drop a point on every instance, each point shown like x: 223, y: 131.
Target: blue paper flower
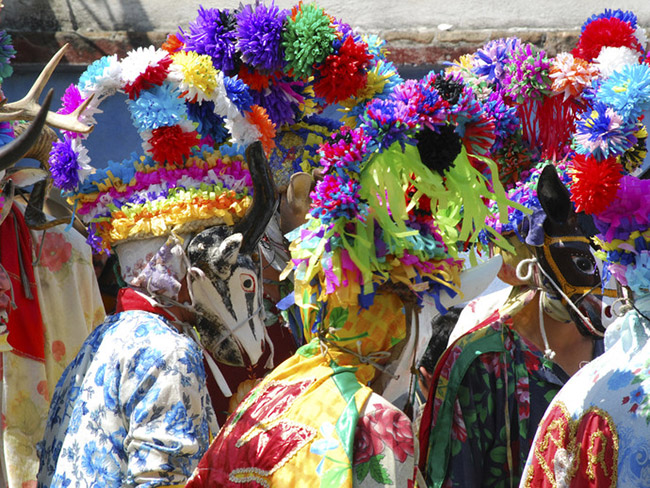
x: 159, y: 107
x: 604, y: 133
x: 624, y: 15
x: 627, y: 91
x: 239, y: 93
x: 209, y: 123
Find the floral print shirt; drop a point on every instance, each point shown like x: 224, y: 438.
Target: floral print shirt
x: 490, y: 389
x: 384, y: 447
x: 595, y: 432
x: 131, y: 409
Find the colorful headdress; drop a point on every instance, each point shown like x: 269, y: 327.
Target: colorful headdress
x: 609, y: 141
x: 569, y: 110
x: 234, y: 77
x: 400, y: 192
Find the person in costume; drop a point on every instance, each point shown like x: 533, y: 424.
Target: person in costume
x: 185, y: 219
x: 494, y: 383
x: 380, y: 243
x: 293, y: 64
x: 49, y: 298
x: 595, y: 431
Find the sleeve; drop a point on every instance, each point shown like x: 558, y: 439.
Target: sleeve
x: 169, y: 414
x: 478, y: 429
x: 385, y: 448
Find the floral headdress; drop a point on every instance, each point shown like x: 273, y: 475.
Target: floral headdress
x: 295, y: 63
x: 566, y: 109
x: 609, y: 141
x: 400, y: 192
x: 233, y: 77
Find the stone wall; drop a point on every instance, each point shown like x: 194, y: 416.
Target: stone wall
x: 419, y: 32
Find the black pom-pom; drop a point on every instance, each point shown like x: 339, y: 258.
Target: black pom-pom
x: 450, y: 89
x: 438, y: 150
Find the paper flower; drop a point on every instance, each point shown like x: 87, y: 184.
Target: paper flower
x: 595, y: 183
x: 258, y: 117
x: 213, y: 33
x: 613, y: 59
x: 627, y: 91
x: 438, y: 149
x: 634, y: 157
x: 489, y: 61
x: 603, y: 133
x: 570, y: 75
x: 605, y: 31
x: 153, y: 75
x: 71, y: 100
x: 307, y: 39
x: 7, y: 53
x: 102, y: 77
x: 238, y: 93
x: 172, y: 44
x: 194, y: 74
x: 65, y: 165
x: 171, y: 144
x: 209, y: 124
x: 343, y: 73
x: 388, y: 121
x: 527, y: 74
x: 259, y: 31
x: 158, y: 107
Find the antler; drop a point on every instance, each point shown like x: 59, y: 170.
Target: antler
x: 28, y: 107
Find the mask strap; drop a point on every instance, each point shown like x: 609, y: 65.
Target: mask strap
x: 533, y: 262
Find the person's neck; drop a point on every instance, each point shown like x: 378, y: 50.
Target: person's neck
x: 571, y: 348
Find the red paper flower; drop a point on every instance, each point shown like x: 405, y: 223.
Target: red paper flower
x: 153, y: 75
x: 254, y: 79
x: 342, y: 75
x: 595, y: 183
x: 611, y: 32
x: 170, y: 144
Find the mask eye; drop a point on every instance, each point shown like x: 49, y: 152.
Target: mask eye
x: 247, y: 282
x: 584, y: 264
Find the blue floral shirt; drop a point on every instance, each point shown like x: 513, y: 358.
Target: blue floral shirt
x: 132, y: 408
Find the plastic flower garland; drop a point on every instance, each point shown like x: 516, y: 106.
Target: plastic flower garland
x: 387, y: 212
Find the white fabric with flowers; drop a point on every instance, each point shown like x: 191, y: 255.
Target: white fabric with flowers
x: 132, y: 409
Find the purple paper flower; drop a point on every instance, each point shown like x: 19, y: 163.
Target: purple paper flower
x: 6, y: 133
x: 259, y: 33
x: 213, y: 33
x: 64, y: 165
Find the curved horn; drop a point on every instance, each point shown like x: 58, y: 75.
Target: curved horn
x: 265, y: 199
x: 16, y: 149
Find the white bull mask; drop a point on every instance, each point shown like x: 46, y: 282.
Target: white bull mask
x: 226, y: 290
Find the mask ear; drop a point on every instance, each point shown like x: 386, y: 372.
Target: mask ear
x: 227, y: 254
x: 554, y: 196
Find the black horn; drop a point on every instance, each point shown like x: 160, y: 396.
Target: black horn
x: 12, y: 153
x: 265, y: 199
